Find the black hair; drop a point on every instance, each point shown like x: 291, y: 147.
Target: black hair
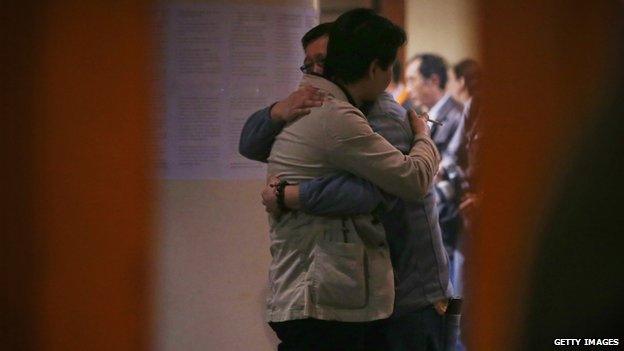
x: 356, y: 39
x: 431, y: 64
x: 315, y: 33
x: 397, y: 71
x: 470, y: 70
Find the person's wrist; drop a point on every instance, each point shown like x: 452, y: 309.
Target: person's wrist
x: 441, y: 306
x: 280, y: 190
x: 421, y: 135
x: 291, y: 197
x: 276, y: 112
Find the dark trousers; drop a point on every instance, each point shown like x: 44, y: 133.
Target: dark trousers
x: 318, y: 335
x: 421, y: 330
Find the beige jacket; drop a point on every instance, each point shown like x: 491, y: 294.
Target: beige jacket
x: 334, y: 268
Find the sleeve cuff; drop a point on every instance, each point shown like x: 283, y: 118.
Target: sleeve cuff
x: 427, y: 139
x: 304, y: 189
x: 275, y: 124
x: 421, y: 136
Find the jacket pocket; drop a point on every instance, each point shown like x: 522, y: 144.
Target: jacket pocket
x: 338, y: 275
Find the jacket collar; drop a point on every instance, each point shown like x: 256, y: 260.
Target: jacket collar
x: 327, y: 86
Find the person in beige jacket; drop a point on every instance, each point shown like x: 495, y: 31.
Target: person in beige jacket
x: 330, y: 277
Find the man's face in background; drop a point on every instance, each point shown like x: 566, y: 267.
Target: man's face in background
x: 315, y: 54
x: 421, y: 89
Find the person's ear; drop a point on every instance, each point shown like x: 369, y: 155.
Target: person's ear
x: 372, y: 68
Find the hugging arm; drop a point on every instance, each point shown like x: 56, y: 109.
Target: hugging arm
x: 263, y: 126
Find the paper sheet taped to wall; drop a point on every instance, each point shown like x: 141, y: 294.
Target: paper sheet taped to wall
x: 219, y: 64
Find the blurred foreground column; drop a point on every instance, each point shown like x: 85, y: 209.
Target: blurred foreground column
x: 77, y: 156
x: 545, y: 63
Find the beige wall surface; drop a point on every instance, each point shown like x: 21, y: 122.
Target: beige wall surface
x: 212, y: 267
x: 445, y: 27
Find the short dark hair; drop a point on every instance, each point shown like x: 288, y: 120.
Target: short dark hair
x: 397, y: 71
x: 470, y: 70
x: 315, y: 33
x: 356, y: 39
x: 431, y: 64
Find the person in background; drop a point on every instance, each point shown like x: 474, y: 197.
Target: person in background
x: 419, y: 259
x: 464, y: 84
x: 464, y: 81
x: 427, y: 78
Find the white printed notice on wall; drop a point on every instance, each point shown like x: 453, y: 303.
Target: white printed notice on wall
x: 221, y: 63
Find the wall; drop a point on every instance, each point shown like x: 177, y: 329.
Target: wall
x: 212, y: 267
x: 212, y: 262
x: 446, y: 27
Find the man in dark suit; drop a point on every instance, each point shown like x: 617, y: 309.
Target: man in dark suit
x: 426, y: 77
